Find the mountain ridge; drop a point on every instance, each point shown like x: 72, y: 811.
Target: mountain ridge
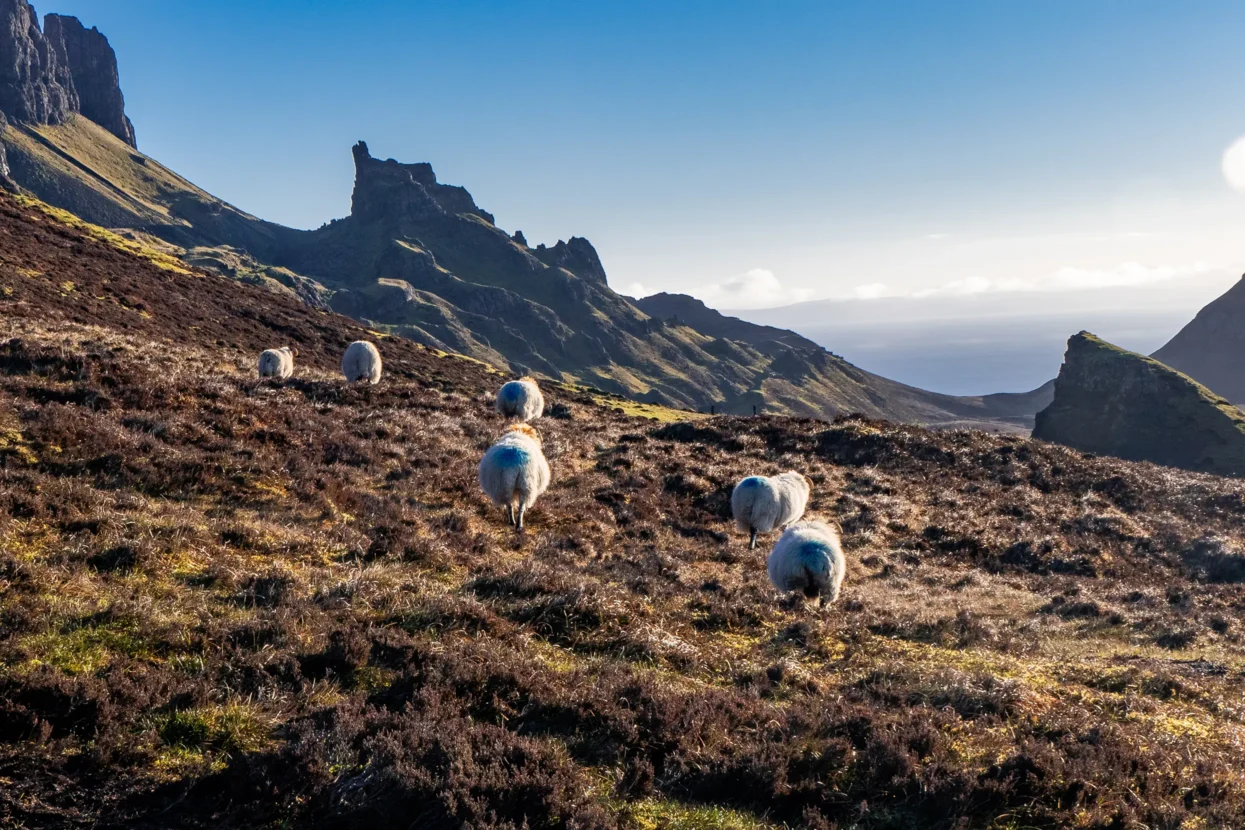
x: 419, y: 258
x: 1211, y: 348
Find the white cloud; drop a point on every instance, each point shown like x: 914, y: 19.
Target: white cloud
x: 1124, y: 275
x: 937, y: 236
x: 758, y: 288
x: 635, y: 290
x: 873, y: 291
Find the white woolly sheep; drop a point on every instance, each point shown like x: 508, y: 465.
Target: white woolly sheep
x: 361, y: 362
x: 760, y: 504
x: 809, y: 558
x: 277, y: 363
x: 514, y: 472
x: 521, y: 399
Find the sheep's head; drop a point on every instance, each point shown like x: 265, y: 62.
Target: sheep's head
x: 525, y: 429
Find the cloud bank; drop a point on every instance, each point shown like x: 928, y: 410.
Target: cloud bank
x: 1068, y: 279
x: 758, y: 288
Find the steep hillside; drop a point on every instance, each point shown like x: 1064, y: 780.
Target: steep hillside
x: 1119, y: 403
x: 1211, y: 349
x: 229, y: 603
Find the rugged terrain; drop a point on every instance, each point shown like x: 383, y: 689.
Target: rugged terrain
x: 418, y: 258
x: 1113, y: 401
x: 229, y: 603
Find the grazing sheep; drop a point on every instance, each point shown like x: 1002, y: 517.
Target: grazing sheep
x: 808, y: 558
x: 521, y: 399
x: 514, y: 472
x: 361, y: 362
x: 760, y: 504
x: 277, y: 363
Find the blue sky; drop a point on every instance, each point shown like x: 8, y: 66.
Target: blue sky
x: 752, y: 153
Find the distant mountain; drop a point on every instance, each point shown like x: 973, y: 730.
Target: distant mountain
x: 1123, y: 404
x: 1211, y: 348
x: 419, y: 258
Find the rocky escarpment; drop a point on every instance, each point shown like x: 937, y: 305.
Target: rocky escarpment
x: 388, y: 191
x: 35, y: 82
x: 93, y: 69
x: 1118, y: 403
x: 577, y: 256
x: 47, y: 75
x: 1211, y: 348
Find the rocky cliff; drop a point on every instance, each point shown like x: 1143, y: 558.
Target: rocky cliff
x: 577, y: 256
x: 93, y: 69
x: 47, y: 75
x: 1118, y: 403
x: 1211, y: 348
x: 35, y: 82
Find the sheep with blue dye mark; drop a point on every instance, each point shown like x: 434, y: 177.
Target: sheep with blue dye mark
x: 277, y: 363
x: 521, y: 399
x: 514, y: 472
x: 760, y: 504
x: 361, y: 362
x: 809, y: 558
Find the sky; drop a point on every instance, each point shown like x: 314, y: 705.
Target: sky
x: 752, y: 153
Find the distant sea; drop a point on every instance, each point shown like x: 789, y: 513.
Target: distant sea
x: 982, y: 346
x: 975, y: 357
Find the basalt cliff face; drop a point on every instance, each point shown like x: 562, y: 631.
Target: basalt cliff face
x: 49, y: 74
x: 418, y: 258
x: 1118, y: 403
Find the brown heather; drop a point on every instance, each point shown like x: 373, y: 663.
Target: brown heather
x: 230, y: 603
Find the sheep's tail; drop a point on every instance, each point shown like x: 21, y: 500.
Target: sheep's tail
x: 509, y: 483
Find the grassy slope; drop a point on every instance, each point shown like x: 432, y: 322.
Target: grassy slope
x: 229, y: 603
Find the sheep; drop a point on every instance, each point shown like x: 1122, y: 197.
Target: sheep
x: 514, y: 472
x: 808, y: 558
x: 521, y: 399
x: 277, y: 363
x: 760, y: 504
x: 361, y: 362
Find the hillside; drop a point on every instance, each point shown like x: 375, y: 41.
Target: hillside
x: 1113, y: 401
x: 1211, y: 348
x: 417, y: 258
x: 228, y: 603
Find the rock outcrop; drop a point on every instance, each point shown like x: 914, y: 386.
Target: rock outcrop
x: 1211, y: 348
x: 47, y: 75
x: 1126, y: 405
x: 92, y: 66
x: 389, y: 190
x: 35, y: 81
x: 577, y: 256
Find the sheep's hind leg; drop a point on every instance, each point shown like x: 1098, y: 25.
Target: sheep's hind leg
x: 752, y: 543
x: 510, y: 514
x: 522, y: 510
